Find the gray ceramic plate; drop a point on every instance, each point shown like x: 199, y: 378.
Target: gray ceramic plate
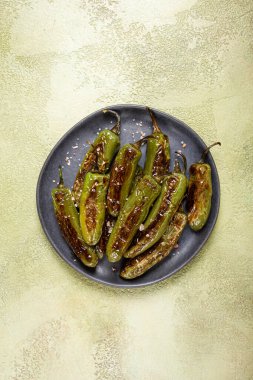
x: 134, y: 120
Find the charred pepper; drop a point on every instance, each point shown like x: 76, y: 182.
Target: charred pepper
x: 139, y: 265
x: 131, y: 216
x: 200, y: 192
x: 122, y: 175
x: 173, y: 190
x: 107, y: 229
x: 158, y: 152
x: 92, y: 206
x: 68, y: 219
x: 99, y: 156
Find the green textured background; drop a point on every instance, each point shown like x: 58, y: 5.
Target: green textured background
x: 61, y: 60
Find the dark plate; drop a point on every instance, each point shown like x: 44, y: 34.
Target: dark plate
x: 86, y: 130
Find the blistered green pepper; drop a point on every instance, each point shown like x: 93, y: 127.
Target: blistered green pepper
x: 131, y: 216
x: 141, y: 264
x: 200, y: 192
x: 68, y: 219
x: 173, y: 190
x: 158, y: 152
x: 99, y: 156
x: 121, y: 176
x: 92, y: 206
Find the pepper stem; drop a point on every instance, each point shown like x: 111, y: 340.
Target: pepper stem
x: 140, y: 142
x: 116, y: 128
x: 180, y: 154
x: 61, y: 182
x: 203, y: 156
x: 177, y: 168
x: 154, y: 121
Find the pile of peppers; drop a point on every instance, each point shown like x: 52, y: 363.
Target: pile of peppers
x: 119, y: 209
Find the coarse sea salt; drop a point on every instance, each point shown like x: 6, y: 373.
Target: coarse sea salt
x: 141, y: 228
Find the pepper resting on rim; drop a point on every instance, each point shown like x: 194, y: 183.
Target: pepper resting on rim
x: 199, y: 198
x: 68, y: 219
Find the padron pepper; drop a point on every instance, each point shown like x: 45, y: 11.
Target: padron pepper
x: 199, y: 198
x: 131, y: 216
x: 158, y: 152
x: 68, y: 219
x: 92, y: 206
x: 99, y: 156
x: 122, y: 175
x: 174, y: 187
x: 139, y: 265
x: 110, y: 220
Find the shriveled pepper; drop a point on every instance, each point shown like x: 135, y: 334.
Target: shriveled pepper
x: 200, y: 192
x: 173, y: 190
x: 92, y: 206
x: 131, y: 216
x: 139, y: 265
x: 121, y: 176
x: 99, y: 156
x: 68, y: 219
x: 158, y: 152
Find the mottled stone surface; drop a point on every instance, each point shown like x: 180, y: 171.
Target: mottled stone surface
x: 61, y: 60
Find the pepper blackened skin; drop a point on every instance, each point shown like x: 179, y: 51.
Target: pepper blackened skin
x: 99, y: 156
x: 137, y: 177
x: 141, y: 264
x: 199, y: 198
x: 158, y: 152
x: 68, y: 219
x: 92, y: 206
x: 106, y: 232
x: 131, y: 216
x: 121, y: 176
x: 173, y: 190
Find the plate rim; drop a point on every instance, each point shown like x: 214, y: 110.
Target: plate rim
x: 128, y: 284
